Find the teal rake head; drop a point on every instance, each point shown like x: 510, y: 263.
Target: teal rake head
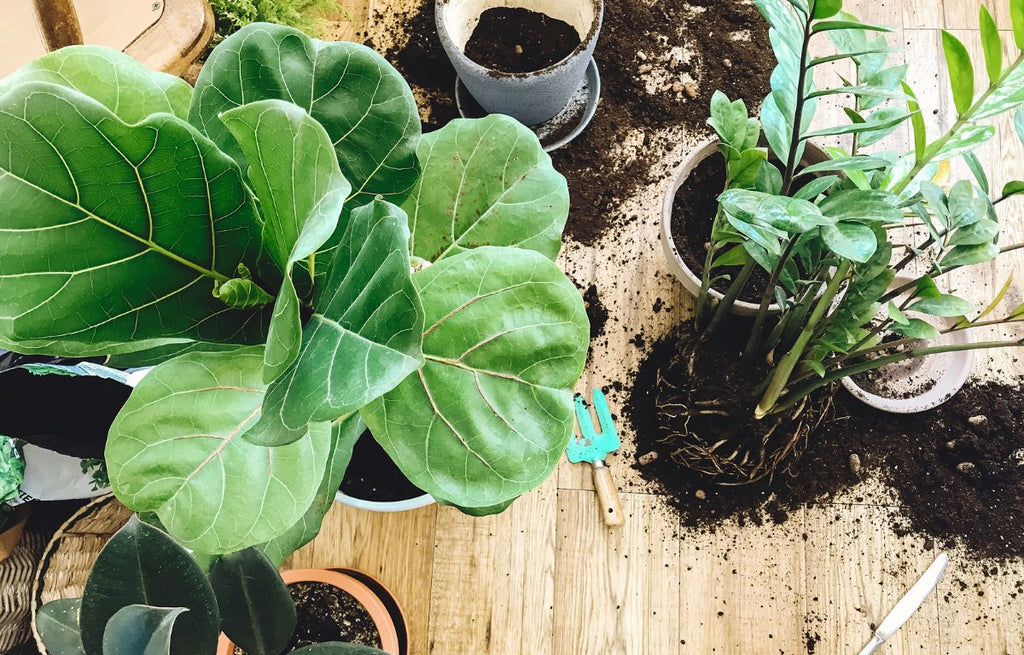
x: 592, y: 446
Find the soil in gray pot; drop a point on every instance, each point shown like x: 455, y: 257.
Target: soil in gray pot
x: 517, y: 40
x: 327, y: 613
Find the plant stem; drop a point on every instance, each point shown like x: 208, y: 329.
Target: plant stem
x: 795, y: 141
x: 964, y: 119
x: 797, y: 394
x: 766, y: 296
x: 705, y: 278
x: 727, y: 301
x: 780, y: 377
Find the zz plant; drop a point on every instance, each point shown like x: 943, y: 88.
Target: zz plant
x: 299, y: 263
x: 832, y: 235
x: 146, y: 595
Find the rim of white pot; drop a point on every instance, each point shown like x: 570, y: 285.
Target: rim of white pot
x: 476, y: 7
x: 954, y: 367
x: 415, y: 502
x: 690, y: 280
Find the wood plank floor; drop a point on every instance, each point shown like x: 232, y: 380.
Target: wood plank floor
x: 547, y: 578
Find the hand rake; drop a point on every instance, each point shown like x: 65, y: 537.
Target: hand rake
x: 592, y: 446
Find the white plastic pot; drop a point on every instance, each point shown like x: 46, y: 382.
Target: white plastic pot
x: 676, y: 264
x: 390, y: 506
x: 942, y: 374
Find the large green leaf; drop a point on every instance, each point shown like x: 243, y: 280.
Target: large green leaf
x: 990, y: 43
x: 850, y: 240
x: 57, y: 624
x: 359, y: 98
x: 256, y: 610
x: 861, y: 205
x: 364, y: 337
x: 961, y: 72
x: 142, y: 565
x: 490, y: 412
x: 140, y: 630
x: 176, y: 449
x: 301, y: 190
x: 943, y: 305
x: 119, y: 82
x: 343, y: 438
x: 485, y: 182
x: 113, y: 235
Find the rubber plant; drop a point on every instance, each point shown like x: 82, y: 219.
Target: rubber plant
x: 831, y: 236
x: 146, y: 595
x: 298, y: 263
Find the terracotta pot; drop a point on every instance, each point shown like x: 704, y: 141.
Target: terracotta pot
x: 942, y: 374
x: 676, y: 264
x: 531, y: 98
x: 11, y: 535
x: 383, y: 619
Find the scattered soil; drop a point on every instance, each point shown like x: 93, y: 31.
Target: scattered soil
x: 596, y: 312
x: 372, y: 475
x: 693, y: 214
x: 660, y: 63
x: 958, y: 469
x: 327, y: 613
x: 517, y: 40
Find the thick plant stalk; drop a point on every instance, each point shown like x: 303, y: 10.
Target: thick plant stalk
x: 729, y: 299
x: 796, y: 140
x: 762, y: 310
x: 703, y: 297
x: 780, y: 377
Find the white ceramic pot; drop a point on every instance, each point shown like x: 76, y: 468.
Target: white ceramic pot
x: 531, y: 98
x: 921, y: 383
x: 676, y: 264
x: 390, y: 506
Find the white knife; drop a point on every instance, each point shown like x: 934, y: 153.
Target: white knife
x: 910, y: 603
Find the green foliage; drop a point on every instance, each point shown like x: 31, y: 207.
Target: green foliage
x: 256, y: 609
x: 306, y: 15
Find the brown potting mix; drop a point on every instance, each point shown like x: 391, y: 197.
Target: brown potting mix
x: 517, y: 40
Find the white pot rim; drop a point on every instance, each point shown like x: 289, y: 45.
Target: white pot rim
x: 415, y: 502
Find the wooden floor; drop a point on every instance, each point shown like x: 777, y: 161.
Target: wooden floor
x: 547, y: 578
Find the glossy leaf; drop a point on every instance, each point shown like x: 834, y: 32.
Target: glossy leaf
x: 968, y: 255
x: 732, y: 123
x: 343, y: 438
x: 883, y: 123
x: 990, y: 44
x: 791, y: 215
x: 485, y: 182
x: 301, y: 191
x: 916, y: 122
x: 853, y: 241
x: 489, y: 414
x: 1017, y: 20
x: 57, y: 624
x: 1013, y: 188
x: 140, y: 630
x: 360, y: 99
x: 364, y: 337
x: 857, y: 162
x: 916, y: 328
x: 865, y: 206
x: 176, y: 449
x: 977, y: 170
x: 257, y: 612
x: 142, y: 565
x: 883, y: 115
x: 816, y: 187
x: 966, y: 139
x: 777, y: 130
x: 827, y: 8
x: 1003, y: 97
x: 897, y: 315
x: 115, y: 80
x: 164, y: 214
x: 943, y: 304
x: 743, y: 172
x: 961, y: 72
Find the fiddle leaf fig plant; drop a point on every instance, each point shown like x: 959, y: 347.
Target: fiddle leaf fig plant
x: 146, y: 595
x: 831, y: 235
x: 298, y: 264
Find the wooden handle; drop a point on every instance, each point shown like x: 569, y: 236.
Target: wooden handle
x: 607, y: 496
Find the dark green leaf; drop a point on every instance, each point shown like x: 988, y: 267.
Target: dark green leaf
x: 362, y: 340
x: 853, y: 241
x: 827, y: 8
x: 164, y: 214
x: 991, y: 44
x: 816, y: 366
x: 176, y: 448
x: 732, y: 123
x: 769, y: 179
x: 142, y: 565
x: 489, y: 414
x: 743, y: 172
x: 301, y: 190
x: 485, y: 182
x: 816, y: 187
x: 359, y: 98
x: 140, y: 630
x: 1013, y: 188
x: 257, y: 612
x: 57, y: 624
x: 943, y: 304
x: 735, y: 256
x: 915, y: 329
x: 896, y: 315
x: 961, y: 72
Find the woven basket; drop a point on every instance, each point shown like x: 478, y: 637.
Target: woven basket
x: 68, y: 558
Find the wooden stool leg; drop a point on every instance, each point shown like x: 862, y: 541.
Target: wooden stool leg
x: 58, y: 22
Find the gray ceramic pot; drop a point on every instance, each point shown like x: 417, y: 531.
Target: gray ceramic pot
x: 531, y: 98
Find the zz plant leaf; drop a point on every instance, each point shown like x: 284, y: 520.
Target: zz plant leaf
x: 256, y: 609
x: 490, y: 412
x: 301, y: 191
x: 142, y: 565
x: 361, y: 101
x: 176, y: 449
x: 485, y: 182
x: 163, y: 211
x: 364, y: 337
